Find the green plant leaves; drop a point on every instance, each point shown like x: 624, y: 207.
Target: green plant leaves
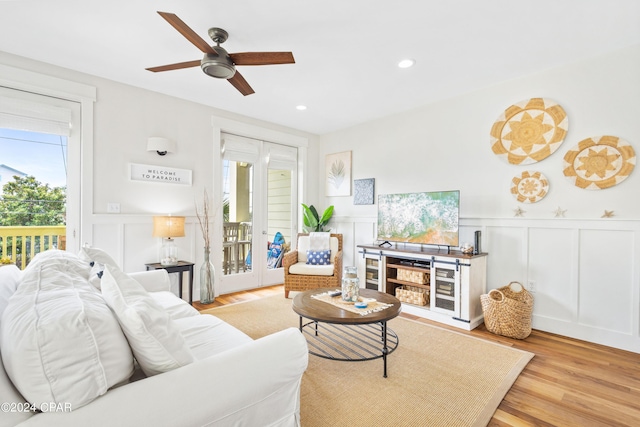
x: 326, y: 216
x: 311, y: 219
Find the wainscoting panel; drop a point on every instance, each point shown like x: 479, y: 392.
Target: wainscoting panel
x: 551, y: 261
x: 108, y: 237
x: 507, y: 262
x: 586, y: 273
x: 147, y: 248
x: 606, y: 278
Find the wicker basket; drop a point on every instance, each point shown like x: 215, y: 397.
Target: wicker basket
x: 413, y: 276
x: 412, y: 295
x: 507, y: 312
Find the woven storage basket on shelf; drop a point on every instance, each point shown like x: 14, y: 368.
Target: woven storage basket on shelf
x: 507, y: 312
x: 413, y: 276
x: 412, y: 295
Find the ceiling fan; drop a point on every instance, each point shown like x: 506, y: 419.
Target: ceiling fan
x: 216, y: 61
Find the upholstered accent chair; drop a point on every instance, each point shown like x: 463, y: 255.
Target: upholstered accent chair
x: 301, y: 275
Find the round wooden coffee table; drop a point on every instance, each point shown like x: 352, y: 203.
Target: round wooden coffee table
x: 338, y: 334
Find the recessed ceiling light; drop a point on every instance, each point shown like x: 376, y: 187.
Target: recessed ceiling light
x: 301, y: 107
x: 406, y: 63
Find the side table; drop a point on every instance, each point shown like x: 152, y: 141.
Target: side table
x: 181, y: 267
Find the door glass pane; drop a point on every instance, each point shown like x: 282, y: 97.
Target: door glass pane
x: 279, y: 215
x: 33, y: 181
x: 237, y: 216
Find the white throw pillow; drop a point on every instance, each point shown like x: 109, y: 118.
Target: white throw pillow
x: 97, y: 259
x: 59, y: 340
x: 155, y: 341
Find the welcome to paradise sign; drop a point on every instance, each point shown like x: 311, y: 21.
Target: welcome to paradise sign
x: 162, y: 174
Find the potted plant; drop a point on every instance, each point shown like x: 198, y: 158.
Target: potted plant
x: 6, y: 261
x: 312, y: 221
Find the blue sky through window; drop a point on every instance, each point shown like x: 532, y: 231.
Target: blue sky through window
x: 41, y: 155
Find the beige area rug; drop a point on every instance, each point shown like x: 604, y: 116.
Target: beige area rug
x: 436, y: 377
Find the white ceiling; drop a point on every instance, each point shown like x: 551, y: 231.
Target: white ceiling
x: 346, y: 51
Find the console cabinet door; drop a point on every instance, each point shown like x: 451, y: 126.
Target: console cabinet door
x: 445, y: 288
x: 370, y: 268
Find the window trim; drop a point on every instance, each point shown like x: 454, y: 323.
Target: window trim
x: 79, y: 211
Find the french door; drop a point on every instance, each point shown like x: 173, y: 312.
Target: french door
x: 258, y: 215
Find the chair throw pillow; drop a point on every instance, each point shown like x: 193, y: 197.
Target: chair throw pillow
x: 318, y: 257
x: 156, y: 342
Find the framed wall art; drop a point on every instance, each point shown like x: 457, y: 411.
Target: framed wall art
x: 338, y: 174
x: 363, y: 191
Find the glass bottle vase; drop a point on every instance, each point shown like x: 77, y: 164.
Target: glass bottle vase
x: 350, y: 284
x: 207, y: 279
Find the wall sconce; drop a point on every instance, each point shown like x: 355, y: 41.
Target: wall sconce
x: 168, y: 227
x: 161, y: 145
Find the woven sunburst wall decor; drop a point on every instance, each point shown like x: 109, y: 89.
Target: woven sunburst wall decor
x: 529, y: 131
x: 529, y: 187
x: 599, y: 162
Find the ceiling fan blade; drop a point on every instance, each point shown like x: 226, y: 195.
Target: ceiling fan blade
x: 241, y: 84
x: 187, y: 32
x: 262, y: 58
x: 176, y: 66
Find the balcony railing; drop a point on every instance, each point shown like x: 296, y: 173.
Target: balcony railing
x: 21, y: 244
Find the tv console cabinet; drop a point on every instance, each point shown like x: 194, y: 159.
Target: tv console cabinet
x: 453, y: 280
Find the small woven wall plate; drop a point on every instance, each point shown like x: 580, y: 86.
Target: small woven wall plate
x: 529, y: 187
x: 529, y: 131
x: 599, y: 162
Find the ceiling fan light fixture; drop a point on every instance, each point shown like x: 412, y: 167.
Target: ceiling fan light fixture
x: 219, y: 66
x: 217, y: 62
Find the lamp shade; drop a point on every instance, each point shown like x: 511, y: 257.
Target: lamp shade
x: 161, y: 145
x: 168, y: 226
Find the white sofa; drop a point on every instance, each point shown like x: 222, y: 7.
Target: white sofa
x: 221, y: 377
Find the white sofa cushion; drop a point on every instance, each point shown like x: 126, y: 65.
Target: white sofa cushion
x: 175, y: 307
x: 206, y: 335
x: 59, y: 340
x: 311, y: 270
x: 156, y: 343
x: 10, y: 276
x: 304, y: 246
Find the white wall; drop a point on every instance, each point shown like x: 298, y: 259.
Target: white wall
x: 124, y: 117
x: 586, y: 269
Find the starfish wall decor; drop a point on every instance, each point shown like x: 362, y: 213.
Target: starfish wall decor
x: 559, y: 213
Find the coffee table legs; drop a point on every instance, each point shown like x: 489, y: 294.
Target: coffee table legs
x: 385, y: 349
x: 350, y: 343
x: 315, y: 323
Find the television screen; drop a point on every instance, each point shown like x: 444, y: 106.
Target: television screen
x: 426, y: 218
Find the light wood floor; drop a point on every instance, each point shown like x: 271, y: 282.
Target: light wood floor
x: 568, y: 382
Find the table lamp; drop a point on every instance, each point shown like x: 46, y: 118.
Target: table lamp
x: 168, y: 227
